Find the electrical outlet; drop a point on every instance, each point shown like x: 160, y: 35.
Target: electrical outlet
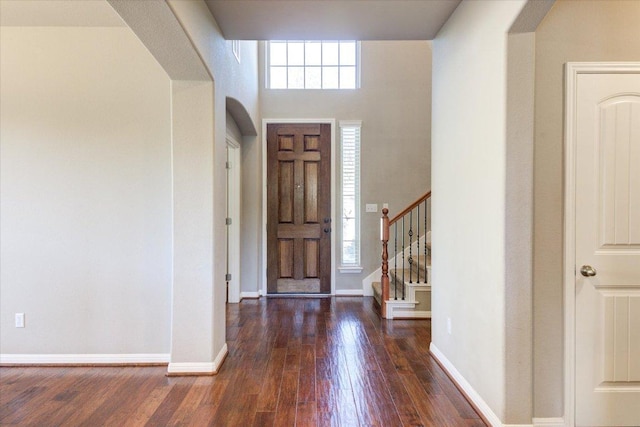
x: 371, y: 207
x: 19, y: 320
x: 449, y: 325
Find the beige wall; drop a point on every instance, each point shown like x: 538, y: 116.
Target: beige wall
x: 85, y: 193
x: 394, y: 106
x: 604, y: 30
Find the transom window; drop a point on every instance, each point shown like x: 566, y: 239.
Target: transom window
x: 312, y: 64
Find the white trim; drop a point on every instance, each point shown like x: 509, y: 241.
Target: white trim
x: 249, y: 295
x: 79, y: 359
x: 350, y: 123
x: 480, y: 404
x: 234, y: 182
x: 572, y: 70
x: 199, y: 367
x: 349, y: 293
x: 548, y: 422
x: 350, y: 270
x: 405, y: 309
x: 263, y: 154
x: 367, y: 282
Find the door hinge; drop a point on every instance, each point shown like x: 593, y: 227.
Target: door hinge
x: 227, y: 277
x: 227, y: 165
x: 227, y: 221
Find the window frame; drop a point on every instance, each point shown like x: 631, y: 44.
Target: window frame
x: 304, y: 66
x: 356, y: 266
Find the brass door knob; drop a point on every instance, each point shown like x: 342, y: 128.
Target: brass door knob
x: 587, y: 271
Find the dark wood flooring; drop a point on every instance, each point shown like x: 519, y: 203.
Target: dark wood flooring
x: 292, y: 362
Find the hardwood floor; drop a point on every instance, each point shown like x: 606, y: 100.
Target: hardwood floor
x: 292, y: 362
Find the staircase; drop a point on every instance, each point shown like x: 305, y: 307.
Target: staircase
x: 404, y: 290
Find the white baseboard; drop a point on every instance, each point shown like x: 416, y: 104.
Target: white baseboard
x: 249, y: 295
x: 477, y: 400
x: 83, y: 359
x: 199, y: 368
x: 479, y: 403
x: 408, y: 314
x: 349, y: 292
x: 548, y: 422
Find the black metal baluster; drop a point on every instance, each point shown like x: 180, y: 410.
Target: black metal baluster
x: 403, y: 267
x: 395, y: 258
x: 418, y: 237
x: 426, y: 276
x: 410, y: 248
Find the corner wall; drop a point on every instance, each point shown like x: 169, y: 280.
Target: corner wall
x: 469, y: 143
x: 236, y: 79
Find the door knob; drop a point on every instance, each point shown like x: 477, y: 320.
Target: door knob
x: 587, y: 271
x: 327, y: 230
x: 327, y: 220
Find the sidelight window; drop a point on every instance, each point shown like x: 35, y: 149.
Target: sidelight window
x: 313, y: 64
x: 350, y: 218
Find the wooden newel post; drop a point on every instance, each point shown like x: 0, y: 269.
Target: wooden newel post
x: 384, y: 281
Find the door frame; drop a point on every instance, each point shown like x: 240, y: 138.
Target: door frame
x: 263, y: 155
x: 572, y: 71
x: 234, y: 178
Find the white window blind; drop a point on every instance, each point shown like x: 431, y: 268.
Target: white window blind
x: 350, y: 138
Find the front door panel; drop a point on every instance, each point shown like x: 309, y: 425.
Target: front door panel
x: 299, y: 206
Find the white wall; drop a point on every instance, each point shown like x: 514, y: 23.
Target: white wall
x: 394, y: 105
x: 85, y: 193
x: 469, y: 194
x: 194, y: 281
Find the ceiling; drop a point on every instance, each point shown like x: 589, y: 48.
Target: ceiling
x: 331, y: 19
x: 264, y: 19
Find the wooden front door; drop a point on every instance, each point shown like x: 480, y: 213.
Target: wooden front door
x: 298, y: 208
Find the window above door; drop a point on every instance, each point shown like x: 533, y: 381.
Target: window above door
x: 313, y: 64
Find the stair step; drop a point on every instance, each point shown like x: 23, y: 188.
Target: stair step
x: 423, y: 261
x: 410, y: 276
x: 377, y: 291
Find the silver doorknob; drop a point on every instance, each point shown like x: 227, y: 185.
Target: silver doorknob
x: 587, y: 271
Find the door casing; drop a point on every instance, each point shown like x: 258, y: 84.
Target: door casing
x: 572, y: 70
x: 233, y: 212
x: 263, y: 155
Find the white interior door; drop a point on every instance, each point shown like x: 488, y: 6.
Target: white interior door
x: 607, y: 248
x: 233, y: 220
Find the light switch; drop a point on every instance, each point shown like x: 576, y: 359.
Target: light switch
x: 19, y: 320
x: 371, y: 207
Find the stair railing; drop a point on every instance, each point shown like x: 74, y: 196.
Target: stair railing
x: 411, y: 223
